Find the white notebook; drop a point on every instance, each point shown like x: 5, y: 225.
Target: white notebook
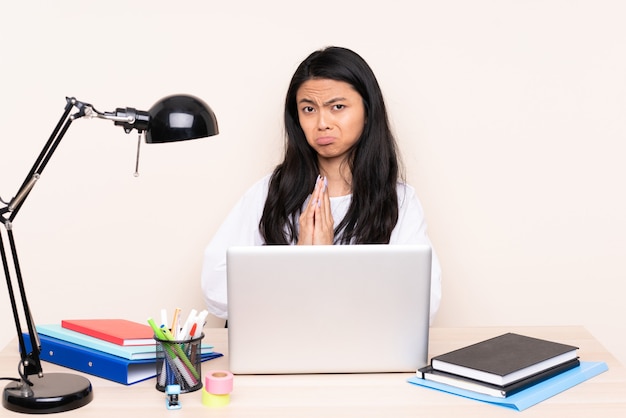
x: 328, y: 309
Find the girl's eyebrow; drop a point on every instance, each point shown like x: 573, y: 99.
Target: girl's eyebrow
x: 329, y: 102
x: 335, y: 100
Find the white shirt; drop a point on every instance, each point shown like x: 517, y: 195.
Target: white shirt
x: 241, y: 228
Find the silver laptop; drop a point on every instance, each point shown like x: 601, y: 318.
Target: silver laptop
x: 328, y: 309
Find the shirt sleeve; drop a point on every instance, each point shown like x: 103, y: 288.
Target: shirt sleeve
x: 240, y: 228
x: 411, y: 229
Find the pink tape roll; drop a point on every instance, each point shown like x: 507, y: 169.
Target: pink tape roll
x: 219, y: 382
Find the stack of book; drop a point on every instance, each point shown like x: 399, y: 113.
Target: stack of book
x: 503, y: 365
x: 510, y: 370
x: 115, y: 349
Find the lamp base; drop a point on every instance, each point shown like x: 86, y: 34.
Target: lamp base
x: 54, y: 392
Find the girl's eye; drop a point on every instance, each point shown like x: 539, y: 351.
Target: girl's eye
x: 307, y: 109
x: 339, y: 106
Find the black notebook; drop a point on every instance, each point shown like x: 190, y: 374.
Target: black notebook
x: 505, y: 359
x: 461, y: 382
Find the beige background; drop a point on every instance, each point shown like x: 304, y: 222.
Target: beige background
x: 510, y: 116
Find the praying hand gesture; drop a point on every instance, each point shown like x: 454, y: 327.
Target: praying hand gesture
x: 316, y: 220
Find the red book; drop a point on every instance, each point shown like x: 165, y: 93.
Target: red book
x: 117, y: 331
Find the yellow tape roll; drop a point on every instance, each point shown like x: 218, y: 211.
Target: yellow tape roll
x: 212, y: 400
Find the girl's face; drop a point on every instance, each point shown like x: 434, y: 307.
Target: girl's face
x: 332, y: 116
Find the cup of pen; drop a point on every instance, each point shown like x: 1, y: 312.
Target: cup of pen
x: 178, y: 362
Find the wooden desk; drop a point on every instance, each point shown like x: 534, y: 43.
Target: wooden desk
x: 357, y: 395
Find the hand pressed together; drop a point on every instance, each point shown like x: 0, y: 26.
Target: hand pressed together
x: 316, y: 221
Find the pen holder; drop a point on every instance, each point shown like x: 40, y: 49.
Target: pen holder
x: 179, y: 362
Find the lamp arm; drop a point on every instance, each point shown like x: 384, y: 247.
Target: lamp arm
x: 30, y: 362
x: 24, y: 355
x: 40, y: 163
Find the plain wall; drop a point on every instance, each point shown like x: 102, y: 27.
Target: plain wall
x: 510, y: 117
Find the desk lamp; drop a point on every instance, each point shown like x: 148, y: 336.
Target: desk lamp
x: 173, y: 118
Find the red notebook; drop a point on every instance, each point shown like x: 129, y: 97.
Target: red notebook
x: 117, y: 331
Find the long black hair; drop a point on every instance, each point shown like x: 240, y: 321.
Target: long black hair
x: 373, y: 160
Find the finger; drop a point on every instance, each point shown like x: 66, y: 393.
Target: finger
x: 323, y: 186
x: 305, y: 233
x: 324, y: 225
x: 315, y: 194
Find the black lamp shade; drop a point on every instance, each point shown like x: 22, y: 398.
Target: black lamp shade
x: 180, y: 117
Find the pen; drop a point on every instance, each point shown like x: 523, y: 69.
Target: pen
x: 184, y: 332
x: 200, y: 323
x: 160, y: 334
x: 174, y: 327
x: 193, y: 348
x: 157, y: 331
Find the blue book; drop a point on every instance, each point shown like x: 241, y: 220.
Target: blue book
x: 137, y: 352
x: 98, y: 363
x: 530, y: 396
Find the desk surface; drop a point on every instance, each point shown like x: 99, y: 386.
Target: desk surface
x: 357, y: 395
